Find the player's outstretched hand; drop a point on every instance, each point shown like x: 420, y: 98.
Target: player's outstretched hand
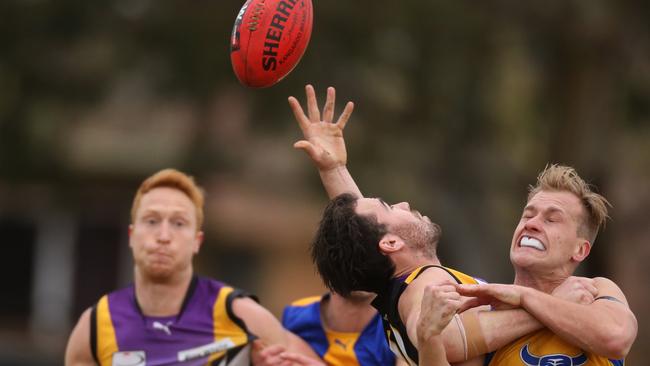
x: 323, y: 138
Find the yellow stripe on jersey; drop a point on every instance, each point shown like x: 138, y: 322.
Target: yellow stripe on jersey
x: 414, y: 274
x: 106, y: 340
x: 306, y: 301
x: 463, y: 278
x: 224, y: 326
x: 341, y: 349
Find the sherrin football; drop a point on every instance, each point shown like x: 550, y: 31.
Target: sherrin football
x: 268, y: 40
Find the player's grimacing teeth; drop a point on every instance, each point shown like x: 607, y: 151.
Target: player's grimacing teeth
x: 530, y: 242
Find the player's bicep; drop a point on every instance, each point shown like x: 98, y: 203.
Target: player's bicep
x: 608, y: 291
x: 78, y: 351
x: 259, y: 321
x: 453, y: 334
x: 454, y: 339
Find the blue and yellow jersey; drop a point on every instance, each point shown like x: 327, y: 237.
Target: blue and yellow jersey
x: 205, y: 332
x: 387, y: 301
x: 544, y: 348
x: 303, y: 317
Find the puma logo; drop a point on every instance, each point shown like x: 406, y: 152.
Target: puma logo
x: 163, y: 327
x: 342, y: 344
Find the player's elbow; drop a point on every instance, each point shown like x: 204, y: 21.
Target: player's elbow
x: 615, y: 349
x: 617, y: 343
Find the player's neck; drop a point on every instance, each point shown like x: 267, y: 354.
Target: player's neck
x: 407, y: 266
x: 341, y: 315
x: 162, y: 298
x: 545, y: 282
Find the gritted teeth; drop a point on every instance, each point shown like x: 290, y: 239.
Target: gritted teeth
x: 530, y: 242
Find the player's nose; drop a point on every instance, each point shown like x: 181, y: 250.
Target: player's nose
x: 163, y: 234
x: 403, y: 206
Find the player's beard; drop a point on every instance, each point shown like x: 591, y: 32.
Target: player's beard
x: 422, y: 236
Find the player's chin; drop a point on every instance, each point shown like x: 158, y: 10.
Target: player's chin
x: 159, y: 272
x: 523, y: 259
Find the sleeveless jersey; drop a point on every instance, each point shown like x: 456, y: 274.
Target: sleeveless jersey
x: 368, y: 348
x: 205, y: 332
x: 386, y: 303
x: 543, y: 348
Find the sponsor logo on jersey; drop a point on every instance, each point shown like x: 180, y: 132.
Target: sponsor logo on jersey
x: 557, y: 359
x: 129, y: 358
x: 205, y: 350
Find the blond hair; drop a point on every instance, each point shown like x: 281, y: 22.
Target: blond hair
x: 564, y: 178
x: 172, y: 178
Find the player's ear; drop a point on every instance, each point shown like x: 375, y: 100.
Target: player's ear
x: 130, y: 233
x: 582, y: 251
x: 199, y: 241
x: 390, y: 243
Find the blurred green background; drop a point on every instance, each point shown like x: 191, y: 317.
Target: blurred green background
x: 458, y: 106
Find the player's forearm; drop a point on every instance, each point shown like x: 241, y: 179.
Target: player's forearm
x: 431, y: 352
x: 299, y: 346
x: 500, y: 327
x: 601, y: 328
x: 338, y: 181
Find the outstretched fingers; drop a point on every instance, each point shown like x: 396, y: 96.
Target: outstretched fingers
x: 345, y: 115
x: 298, y: 113
x: 312, y: 104
x: 328, y: 109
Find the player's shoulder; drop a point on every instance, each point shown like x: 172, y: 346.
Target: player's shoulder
x: 301, y: 308
x: 438, y: 274
x: 85, y: 316
x: 608, y: 288
x: 302, y: 312
x: 604, y: 281
x: 306, y: 301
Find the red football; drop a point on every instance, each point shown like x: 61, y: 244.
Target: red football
x: 268, y: 39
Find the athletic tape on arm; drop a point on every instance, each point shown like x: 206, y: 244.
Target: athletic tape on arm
x: 476, y: 344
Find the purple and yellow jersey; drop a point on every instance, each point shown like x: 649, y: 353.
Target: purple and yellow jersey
x: 387, y: 305
x: 303, y: 317
x: 543, y: 348
x: 205, y: 332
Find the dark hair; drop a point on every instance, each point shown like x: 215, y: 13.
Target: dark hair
x: 346, y: 249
